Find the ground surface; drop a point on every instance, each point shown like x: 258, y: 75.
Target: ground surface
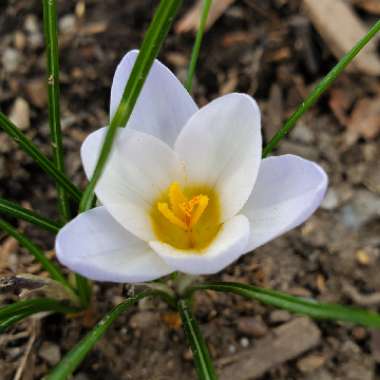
x: 269, y: 50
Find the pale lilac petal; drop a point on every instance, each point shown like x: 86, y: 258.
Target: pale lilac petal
x: 287, y: 191
x: 229, y: 244
x: 164, y: 105
x: 140, y: 168
x: 221, y: 147
x: 96, y: 246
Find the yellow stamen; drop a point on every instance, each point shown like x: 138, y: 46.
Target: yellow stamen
x: 183, y: 213
x: 169, y: 215
x: 202, y: 204
x: 176, y: 197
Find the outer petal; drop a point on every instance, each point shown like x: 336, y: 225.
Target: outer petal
x: 164, y: 105
x: 221, y: 146
x: 139, y: 169
x: 287, y: 191
x: 228, y: 246
x: 96, y: 246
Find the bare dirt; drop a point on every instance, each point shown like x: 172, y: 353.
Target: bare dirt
x: 271, y: 51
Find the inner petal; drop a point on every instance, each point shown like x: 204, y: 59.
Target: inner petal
x: 187, y: 218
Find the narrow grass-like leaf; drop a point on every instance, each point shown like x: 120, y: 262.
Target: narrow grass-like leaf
x: 150, y: 48
x: 45, y: 164
x: 309, y: 307
x: 197, y: 44
x: 34, y: 306
x: 13, y: 209
x: 203, y: 363
x: 84, y: 290
x: 51, y: 39
x: 72, y: 359
x: 322, y: 86
x: 39, y: 255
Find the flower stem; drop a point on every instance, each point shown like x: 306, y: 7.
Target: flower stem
x: 322, y: 86
x: 51, y: 37
x: 197, y: 44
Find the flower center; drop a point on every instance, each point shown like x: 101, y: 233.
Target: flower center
x: 187, y: 219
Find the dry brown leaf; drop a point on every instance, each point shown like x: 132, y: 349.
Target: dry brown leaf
x: 365, y: 118
x: 190, y: 21
x: 339, y: 102
x: 341, y: 28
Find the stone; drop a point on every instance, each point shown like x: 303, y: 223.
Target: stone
x: 286, y: 343
x: 311, y: 362
x: 10, y: 60
x: 20, y: 113
x: 279, y: 316
x: 252, y: 327
x: 50, y: 352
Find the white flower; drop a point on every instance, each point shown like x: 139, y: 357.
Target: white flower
x: 184, y: 189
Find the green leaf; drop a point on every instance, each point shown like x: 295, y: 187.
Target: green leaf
x: 203, y: 363
x: 72, y: 359
x: 34, y: 306
x: 298, y: 305
x: 150, y: 48
x: 197, y: 44
x: 51, y: 38
x: 320, y: 89
x: 13, y: 209
x: 31, y: 150
x: 50, y: 266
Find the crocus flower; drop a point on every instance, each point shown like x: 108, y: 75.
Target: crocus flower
x: 184, y: 189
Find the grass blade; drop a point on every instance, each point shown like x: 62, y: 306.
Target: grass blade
x: 322, y: 86
x: 13, y: 209
x: 51, y: 267
x: 34, y: 306
x: 296, y: 305
x: 197, y: 44
x: 51, y: 38
x: 72, y: 360
x: 16, y: 312
x: 150, y: 48
x: 31, y: 150
x: 203, y: 364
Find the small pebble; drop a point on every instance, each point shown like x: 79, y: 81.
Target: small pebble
x: 254, y: 327
x: 310, y: 363
x: 279, y: 316
x: 244, y: 342
x: 50, y: 352
x: 20, y: 114
x: 10, y: 60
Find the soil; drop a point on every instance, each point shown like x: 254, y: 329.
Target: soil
x: 271, y: 51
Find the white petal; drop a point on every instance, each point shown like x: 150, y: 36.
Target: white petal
x: 164, y: 105
x: 139, y: 169
x: 221, y: 147
x: 287, y: 191
x: 96, y: 246
x: 228, y: 246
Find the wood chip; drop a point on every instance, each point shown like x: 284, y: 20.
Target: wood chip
x: 287, y: 342
x: 371, y: 6
x: 190, y: 21
x: 341, y: 28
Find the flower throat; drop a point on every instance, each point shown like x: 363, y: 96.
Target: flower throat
x: 187, y: 219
